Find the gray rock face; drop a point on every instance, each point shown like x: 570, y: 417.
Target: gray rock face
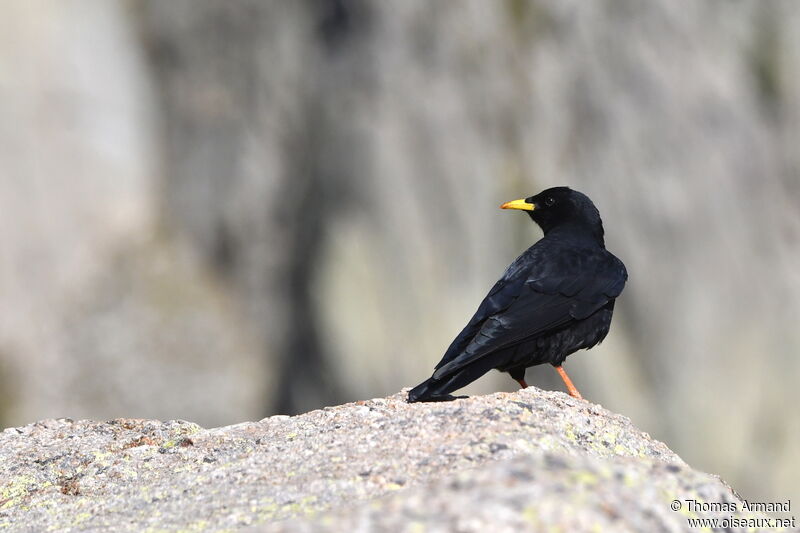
x: 95, y: 289
x: 512, y: 461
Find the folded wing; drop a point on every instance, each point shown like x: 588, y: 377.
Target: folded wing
x: 534, y: 296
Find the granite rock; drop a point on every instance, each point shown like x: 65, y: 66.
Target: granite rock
x: 525, y: 460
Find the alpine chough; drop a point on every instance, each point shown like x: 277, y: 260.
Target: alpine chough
x: 554, y: 299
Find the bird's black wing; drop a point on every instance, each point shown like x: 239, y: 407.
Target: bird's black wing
x: 500, y: 297
x: 552, y: 285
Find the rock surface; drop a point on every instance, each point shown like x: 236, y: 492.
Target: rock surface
x: 515, y: 461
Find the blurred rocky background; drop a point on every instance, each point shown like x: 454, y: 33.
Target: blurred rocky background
x: 220, y: 210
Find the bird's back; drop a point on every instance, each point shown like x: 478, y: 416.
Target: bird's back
x: 555, y: 298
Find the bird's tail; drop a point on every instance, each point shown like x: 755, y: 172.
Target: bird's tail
x: 424, y: 392
x: 439, y: 389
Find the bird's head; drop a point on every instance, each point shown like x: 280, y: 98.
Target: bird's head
x: 561, y: 208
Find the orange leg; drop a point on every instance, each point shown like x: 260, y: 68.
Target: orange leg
x: 568, y: 382
x: 522, y: 383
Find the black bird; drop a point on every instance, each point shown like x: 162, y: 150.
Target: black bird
x: 553, y: 300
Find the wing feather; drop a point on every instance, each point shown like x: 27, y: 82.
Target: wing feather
x: 500, y: 297
x: 536, y: 296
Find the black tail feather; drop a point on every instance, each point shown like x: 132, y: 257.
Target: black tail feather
x: 434, y: 390
x: 437, y: 390
x: 424, y: 391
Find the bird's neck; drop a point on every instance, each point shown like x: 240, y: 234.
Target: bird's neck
x: 578, y: 233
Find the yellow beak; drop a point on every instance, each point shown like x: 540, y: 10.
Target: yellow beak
x: 518, y: 204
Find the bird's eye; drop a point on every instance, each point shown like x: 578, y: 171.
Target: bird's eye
x: 549, y: 201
